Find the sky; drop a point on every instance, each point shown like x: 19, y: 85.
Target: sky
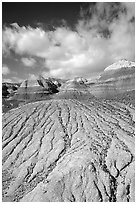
x: 65, y: 39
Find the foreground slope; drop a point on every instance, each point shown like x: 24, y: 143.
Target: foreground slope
x: 65, y: 150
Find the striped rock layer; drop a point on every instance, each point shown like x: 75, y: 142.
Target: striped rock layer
x: 35, y: 89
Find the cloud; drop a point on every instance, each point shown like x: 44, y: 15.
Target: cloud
x: 12, y: 80
x: 104, y: 33
x: 29, y: 62
x: 16, y: 79
x: 32, y: 76
x: 25, y: 40
x: 5, y: 70
x: 113, y: 25
x: 7, y: 80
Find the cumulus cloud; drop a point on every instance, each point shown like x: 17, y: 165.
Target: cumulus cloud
x: 25, y: 40
x: 29, y: 62
x: 104, y: 33
x: 5, y: 70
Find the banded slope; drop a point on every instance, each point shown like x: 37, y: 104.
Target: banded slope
x: 116, y: 79
x: 37, y: 89
x: 65, y: 150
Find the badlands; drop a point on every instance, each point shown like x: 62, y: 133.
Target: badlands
x: 77, y: 145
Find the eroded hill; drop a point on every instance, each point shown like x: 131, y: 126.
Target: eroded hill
x: 65, y: 150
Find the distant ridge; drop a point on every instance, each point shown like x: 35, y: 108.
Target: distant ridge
x: 75, y: 84
x: 36, y: 89
x: 120, y: 64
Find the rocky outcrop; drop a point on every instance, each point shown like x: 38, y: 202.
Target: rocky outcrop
x: 9, y: 89
x: 67, y: 151
x: 50, y: 84
x: 56, y: 81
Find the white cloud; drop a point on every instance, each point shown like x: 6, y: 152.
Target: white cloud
x: 6, y: 80
x: 16, y: 79
x: 5, y: 70
x: 82, y: 52
x: 32, y: 77
x: 12, y: 80
x: 29, y: 62
x: 25, y: 40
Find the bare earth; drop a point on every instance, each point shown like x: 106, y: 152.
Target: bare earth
x: 65, y: 150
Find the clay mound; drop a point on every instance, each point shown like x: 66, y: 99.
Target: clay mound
x: 117, y: 79
x: 113, y: 75
x: 119, y: 70
x: 36, y: 89
x: 112, y: 89
x: 120, y: 64
x: 63, y: 150
x: 74, y: 84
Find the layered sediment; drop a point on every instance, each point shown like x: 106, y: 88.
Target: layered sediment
x: 117, y: 78
x: 37, y: 89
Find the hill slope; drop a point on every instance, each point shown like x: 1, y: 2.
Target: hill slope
x: 64, y: 150
x: 118, y: 70
x: 116, y: 79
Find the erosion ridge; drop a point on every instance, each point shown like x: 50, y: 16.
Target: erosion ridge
x: 65, y: 150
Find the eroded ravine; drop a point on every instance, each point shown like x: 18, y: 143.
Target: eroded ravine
x: 65, y: 150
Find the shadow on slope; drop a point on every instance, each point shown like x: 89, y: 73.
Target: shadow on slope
x: 74, y: 94
x: 8, y: 104
x: 85, y: 97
